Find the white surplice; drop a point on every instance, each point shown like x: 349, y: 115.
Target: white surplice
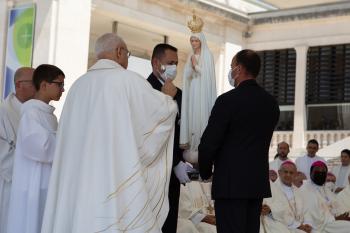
x: 304, y: 164
x: 194, y: 205
x: 9, y: 121
x: 113, y: 157
x: 322, y: 206
x: 32, y: 166
x: 341, y: 173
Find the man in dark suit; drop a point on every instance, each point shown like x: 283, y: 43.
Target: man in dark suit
x: 236, y: 141
x: 164, y: 65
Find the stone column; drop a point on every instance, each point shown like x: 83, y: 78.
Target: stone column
x: 3, y: 34
x: 299, y: 98
x: 62, y: 34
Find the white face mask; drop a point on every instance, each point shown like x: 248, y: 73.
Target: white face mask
x: 330, y: 186
x: 169, y: 71
x: 230, y: 79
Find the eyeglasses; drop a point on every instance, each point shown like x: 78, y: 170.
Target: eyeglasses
x: 59, y: 84
x: 128, y: 53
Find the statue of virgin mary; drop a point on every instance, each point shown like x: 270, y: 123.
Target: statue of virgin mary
x: 199, y: 91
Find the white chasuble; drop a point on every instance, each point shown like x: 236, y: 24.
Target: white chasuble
x: 113, y: 157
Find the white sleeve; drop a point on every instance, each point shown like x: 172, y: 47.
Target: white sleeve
x: 37, y: 143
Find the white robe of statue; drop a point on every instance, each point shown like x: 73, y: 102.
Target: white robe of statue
x: 32, y: 166
x: 198, y: 97
x: 341, y: 173
x: 323, y: 207
x: 304, y: 164
x: 113, y: 156
x: 194, y: 205
x: 9, y: 121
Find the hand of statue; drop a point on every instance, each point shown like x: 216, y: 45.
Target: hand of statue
x: 265, y: 210
x: 210, y: 219
x: 194, y: 61
x: 169, y: 88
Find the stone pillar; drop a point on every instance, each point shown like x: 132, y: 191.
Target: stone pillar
x: 3, y: 34
x: 299, y: 98
x: 62, y: 33
x: 228, y: 52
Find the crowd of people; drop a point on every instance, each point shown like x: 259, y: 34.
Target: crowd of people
x: 121, y: 156
x: 307, y: 196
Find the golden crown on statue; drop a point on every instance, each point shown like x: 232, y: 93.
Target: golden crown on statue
x: 195, y: 24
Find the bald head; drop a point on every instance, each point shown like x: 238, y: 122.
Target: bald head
x: 112, y: 47
x: 23, y: 73
x: 23, y: 80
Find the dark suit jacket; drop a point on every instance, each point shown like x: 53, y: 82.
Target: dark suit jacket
x: 237, y: 141
x: 156, y: 84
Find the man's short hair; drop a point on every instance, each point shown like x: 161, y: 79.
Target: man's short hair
x: 313, y: 141
x: 346, y: 151
x: 159, y: 50
x: 107, y: 43
x: 45, y: 72
x: 250, y: 60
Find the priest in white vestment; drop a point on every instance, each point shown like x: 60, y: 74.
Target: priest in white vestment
x: 9, y: 121
x: 321, y: 203
x: 114, y: 150
x: 34, y: 152
x: 287, y: 204
x: 198, y: 93
x: 282, y: 156
x: 304, y: 163
x: 342, y: 171
x: 196, y: 208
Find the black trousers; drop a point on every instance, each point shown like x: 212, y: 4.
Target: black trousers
x: 238, y: 215
x: 170, y: 224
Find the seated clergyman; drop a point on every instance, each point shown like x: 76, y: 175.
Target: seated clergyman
x: 322, y: 204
